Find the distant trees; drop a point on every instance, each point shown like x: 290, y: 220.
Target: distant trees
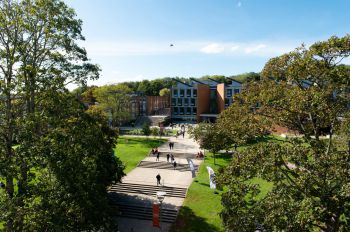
x: 164, y: 92
x: 115, y: 101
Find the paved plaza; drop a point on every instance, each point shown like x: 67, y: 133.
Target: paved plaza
x: 135, y: 196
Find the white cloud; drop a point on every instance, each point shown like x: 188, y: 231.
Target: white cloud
x: 234, y: 47
x: 239, y: 4
x: 255, y: 48
x: 213, y: 48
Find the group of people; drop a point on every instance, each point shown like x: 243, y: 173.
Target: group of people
x: 200, y: 155
x: 154, y: 151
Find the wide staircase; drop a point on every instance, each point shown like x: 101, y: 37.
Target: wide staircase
x: 129, y: 206
x: 165, y: 165
x: 144, y: 212
x: 150, y: 190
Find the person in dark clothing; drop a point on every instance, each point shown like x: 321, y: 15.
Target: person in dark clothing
x: 158, y: 179
x: 157, y: 159
x: 183, y: 134
x: 167, y: 157
x: 172, y: 158
x: 170, y: 145
x: 174, y: 164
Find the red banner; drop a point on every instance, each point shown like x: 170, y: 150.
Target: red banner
x: 156, y: 215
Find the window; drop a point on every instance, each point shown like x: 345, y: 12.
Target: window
x: 181, y: 110
x: 236, y: 91
x: 175, y: 93
x: 229, y: 93
x: 227, y: 102
x: 194, y: 93
x: 188, y: 93
x: 193, y: 101
x: 173, y: 101
x: 175, y: 110
x: 186, y: 102
x: 179, y: 102
x: 182, y: 92
x: 188, y: 110
x: 194, y: 110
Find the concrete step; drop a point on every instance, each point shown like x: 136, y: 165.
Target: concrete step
x: 143, y: 212
x: 150, y: 190
x: 165, y: 165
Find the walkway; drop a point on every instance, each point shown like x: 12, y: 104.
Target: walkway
x: 135, y: 196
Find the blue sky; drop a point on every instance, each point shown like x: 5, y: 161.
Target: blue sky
x: 130, y: 39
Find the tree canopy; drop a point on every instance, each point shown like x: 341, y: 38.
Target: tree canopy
x: 307, y: 91
x: 55, y: 158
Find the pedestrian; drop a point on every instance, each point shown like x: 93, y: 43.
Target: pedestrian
x: 174, y: 164
x: 157, y: 159
x: 158, y: 179
x: 167, y: 157
x: 172, y: 158
x: 170, y: 145
x: 183, y: 134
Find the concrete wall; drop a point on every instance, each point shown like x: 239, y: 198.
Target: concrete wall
x: 220, y: 88
x: 203, y: 99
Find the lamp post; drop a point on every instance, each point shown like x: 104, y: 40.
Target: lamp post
x: 259, y: 228
x: 160, y: 197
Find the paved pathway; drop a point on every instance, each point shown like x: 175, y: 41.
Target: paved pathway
x: 140, y: 180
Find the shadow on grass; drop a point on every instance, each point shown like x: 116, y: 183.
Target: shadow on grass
x: 187, y: 221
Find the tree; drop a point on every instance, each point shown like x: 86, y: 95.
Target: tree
x: 146, y: 130
x: 306, y: 91
x: 115, y: 101
x: 39, y: 56
x: 164, y: 92
x: 155, y: 131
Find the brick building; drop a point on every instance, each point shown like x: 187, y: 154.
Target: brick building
x: 201, y: 100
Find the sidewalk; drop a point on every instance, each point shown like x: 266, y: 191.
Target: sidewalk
x: 170, y: 178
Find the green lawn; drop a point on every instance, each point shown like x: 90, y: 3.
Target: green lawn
x: 201, y: 208
x: 200, y: 211
x: 131, y: 150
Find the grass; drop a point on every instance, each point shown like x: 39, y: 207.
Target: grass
x: 131, y: 150
x: 201, y: 208
x: 200, y: 211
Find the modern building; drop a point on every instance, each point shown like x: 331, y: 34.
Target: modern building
x: 201, y: 100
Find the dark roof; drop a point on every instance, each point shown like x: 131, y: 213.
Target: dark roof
x: 197, y: 81
x: 234, y: 80
x: 214, y: 80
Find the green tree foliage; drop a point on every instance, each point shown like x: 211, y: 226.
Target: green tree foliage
x: 146, y: 130
x: 164, y: 92
x: 305, y: 90
x: 115, y: 101
x: 39, y: 56
x: 155, y: 131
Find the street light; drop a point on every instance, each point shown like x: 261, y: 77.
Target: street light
x: 160, y: 196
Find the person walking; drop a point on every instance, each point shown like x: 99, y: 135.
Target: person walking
x: 167, y: 157
x: 172, y: 158
x: 174, y: 164
x: 158, y: 179
x: 170, y: 145
x: 157, y: 159
x: 183, y: 134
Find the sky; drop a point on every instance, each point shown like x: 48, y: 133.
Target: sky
x: 130, y: 39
